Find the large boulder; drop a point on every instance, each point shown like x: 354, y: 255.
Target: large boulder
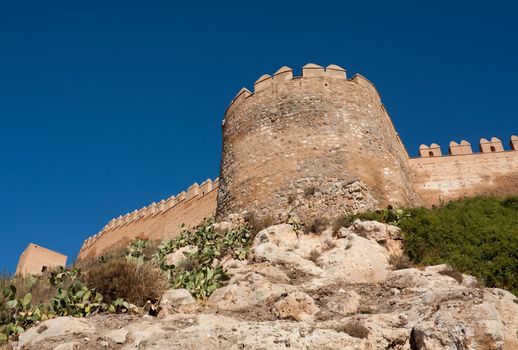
x: 272, y: 253
x: 53, y: 328
x: 355, y: 259
x: 179, y: 256
x: 388, y: 236
x: 176, y: 300
x: 282, y: 236
x: 248, y: 291
x: 297, y: 305
x: 344, y: 302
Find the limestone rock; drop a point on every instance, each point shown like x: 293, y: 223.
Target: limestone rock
x: 67, y: 346
x: 231, y: 222
x: 224, y: 226
x: 176, y: 300
x: 344, y: 303
x: 56, y: 327
x: 310, y: 292
x: 250, y: 290
x: 117, y: 335
x: 355, y: 260
x: 145, y: 332
x: 388, y: 236
x: 176, y: 258
x: 297, y: 305
x: 265, y: 269
x: 282, y: 236
x: 276, y: 255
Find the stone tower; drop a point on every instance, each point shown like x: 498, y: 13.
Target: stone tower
x: 319, y: 145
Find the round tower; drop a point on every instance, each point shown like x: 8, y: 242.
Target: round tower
x: 319, y: 145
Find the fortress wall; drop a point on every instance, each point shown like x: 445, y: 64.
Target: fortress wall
x: 156, y: 221
x: 463, y: 173
x: 320, y: 130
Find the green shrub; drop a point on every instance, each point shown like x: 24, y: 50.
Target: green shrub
x: 200, y: 273
x: 71, y: 298
x: 477, y: 236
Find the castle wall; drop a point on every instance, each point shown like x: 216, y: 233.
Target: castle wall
x: 156, y: 221
x: 317, y: 146
x: 35, y: 259
x: 463, y: 173
x: 318, y: 131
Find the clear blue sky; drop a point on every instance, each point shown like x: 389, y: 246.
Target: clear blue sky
x: 107, y: 106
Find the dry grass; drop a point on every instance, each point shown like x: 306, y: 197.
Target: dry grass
x: 317, y: 226
x: 122, y: 278
x: 39, y: 286
x: 87, y: 264
x: 453, y: 273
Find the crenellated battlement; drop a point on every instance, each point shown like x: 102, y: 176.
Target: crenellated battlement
x: 284, y: 74
x: 297, y: 131
x: 321, y: 129
x: 194, y: 192
x: 464, y: 147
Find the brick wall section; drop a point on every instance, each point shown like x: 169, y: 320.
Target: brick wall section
x: 35, y: 259
x: 156, y: 221
x: 458, y: 175
x: 317, y: 130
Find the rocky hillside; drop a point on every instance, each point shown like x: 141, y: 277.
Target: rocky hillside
x: 349, y: 289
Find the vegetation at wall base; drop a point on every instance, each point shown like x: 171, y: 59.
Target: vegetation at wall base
x: 71, y: 298
x: 477, y: 236
x: 201, y: 272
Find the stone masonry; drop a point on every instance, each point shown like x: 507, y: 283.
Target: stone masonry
x: 308, y: 135
x: 318, y: 145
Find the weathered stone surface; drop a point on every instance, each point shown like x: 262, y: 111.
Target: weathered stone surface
x: 176, y: 258
x: 117, y: 336
x: 57, y: 327
x: 355, y: 302
x: 355, y: 260
x: 250, y: 290
x: 283, y: 236
x: 388, y: 236
x: 67, y: 346
x: 297, y: 305
x: 344, y: 302
x: 176, y: 300
x: 311, y: 133
x: 276, y: 255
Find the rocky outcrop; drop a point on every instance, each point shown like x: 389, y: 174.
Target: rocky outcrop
x: 308, y: 291
x: 180, y: 255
